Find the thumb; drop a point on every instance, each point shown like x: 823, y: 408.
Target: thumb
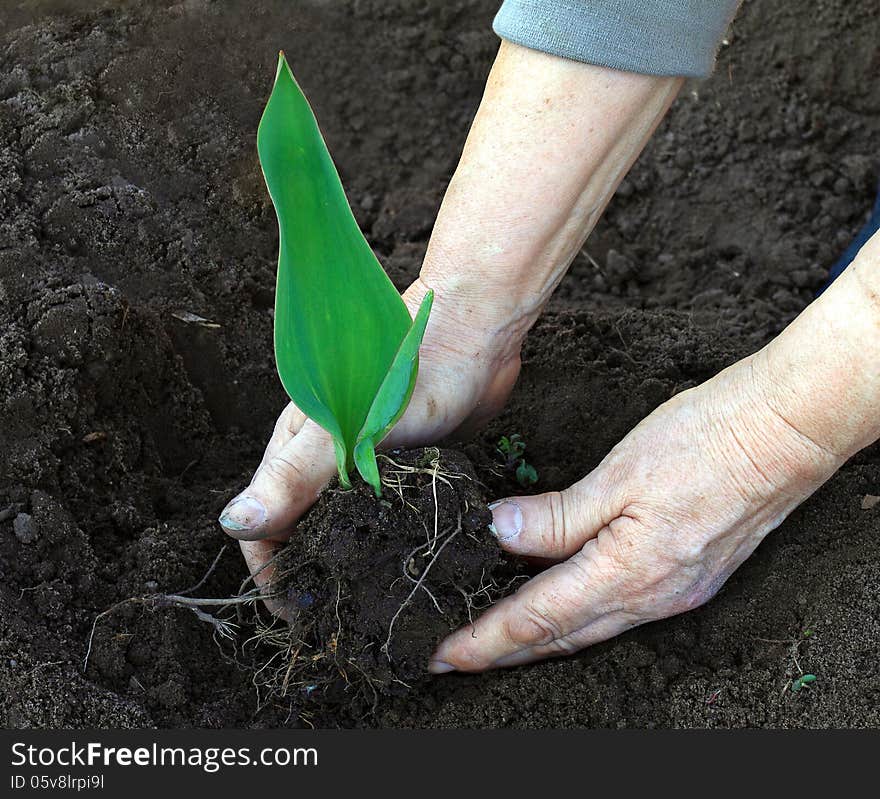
x: 554, y: 525
x: 283, y: 488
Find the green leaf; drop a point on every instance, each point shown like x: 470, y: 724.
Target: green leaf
x: 339, y: 321
x: 512, y: 448
x: 802, y: 682
x: 526, y: 474
x: 392, y: 398
x: 517, y: 446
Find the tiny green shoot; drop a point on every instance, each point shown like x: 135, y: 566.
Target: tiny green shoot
x: 526, y: 474
x: 512, y: 448
x: 345, y: 346
x: 802, y: 682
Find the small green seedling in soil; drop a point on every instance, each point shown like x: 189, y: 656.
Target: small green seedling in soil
x: 526, y: 474
x: 345, y: 346
x: 803, y: 681
x: 512, y: 448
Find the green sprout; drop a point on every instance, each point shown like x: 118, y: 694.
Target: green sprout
x: 512, y: 448
x: 526, y: 474
x: 802, y: 682
x: 345, y: 346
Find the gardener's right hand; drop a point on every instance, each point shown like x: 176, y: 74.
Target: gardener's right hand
x: 468, y: 365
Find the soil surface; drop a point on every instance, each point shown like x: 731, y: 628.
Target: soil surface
x: 132, y: 210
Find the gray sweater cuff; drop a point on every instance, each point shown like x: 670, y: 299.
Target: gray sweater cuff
x: 652, y: 37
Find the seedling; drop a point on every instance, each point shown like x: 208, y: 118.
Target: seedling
x: 526, y: 474
x: 512, y: 448
x: 802, y: 682
x: 345, y: 346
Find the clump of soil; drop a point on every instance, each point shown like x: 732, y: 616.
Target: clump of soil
x: 372, y: 585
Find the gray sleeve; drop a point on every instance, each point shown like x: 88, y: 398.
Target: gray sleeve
x: 652, y: 37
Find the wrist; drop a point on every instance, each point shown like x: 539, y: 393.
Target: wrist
x: 823, y: 370
x: 740, y: 425
x: 468, y: 321
x: 551, y: 140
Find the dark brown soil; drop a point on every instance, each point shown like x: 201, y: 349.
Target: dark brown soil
x: 130, y: 196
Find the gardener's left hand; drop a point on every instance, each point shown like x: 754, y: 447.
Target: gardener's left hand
x: 654, y: 530
x: 685, y: 498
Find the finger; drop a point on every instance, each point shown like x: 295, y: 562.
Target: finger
x: 283, y: 488
x: 557, y: 524
x: 570, y: 606
x: 288, y: 424
x: 258, y: 556
x: 608, y: 626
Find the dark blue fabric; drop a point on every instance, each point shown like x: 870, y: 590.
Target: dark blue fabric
x: 870, y: 228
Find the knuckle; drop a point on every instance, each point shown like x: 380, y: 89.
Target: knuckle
x: 290, y: 422
x: 467, y: 658
x: 651, y: 550
x: 662, y: 572
x: 699, y: 592
x: 556, y: 532
x: 688, y: 550
x: 283, y: 470
x: 633, y: 560
x: 532, y: 626
x: 282, y: 429
x: 314, y: 438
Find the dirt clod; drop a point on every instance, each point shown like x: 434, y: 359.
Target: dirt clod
x: 372, y: 586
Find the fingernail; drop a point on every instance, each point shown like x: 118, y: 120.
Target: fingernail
x: 507, y: 520
x: 439, y: 667
x: 243, y: 513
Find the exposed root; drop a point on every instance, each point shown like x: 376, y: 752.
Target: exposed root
x: 392, y: 478
x: 207, y: 575
x: 225, y: 628
x: 490, y: 592
x: 101, y: 615
x: 386, y: 647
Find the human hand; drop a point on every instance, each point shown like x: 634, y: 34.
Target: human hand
x: 655, y: 530
x: 468, y: 364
